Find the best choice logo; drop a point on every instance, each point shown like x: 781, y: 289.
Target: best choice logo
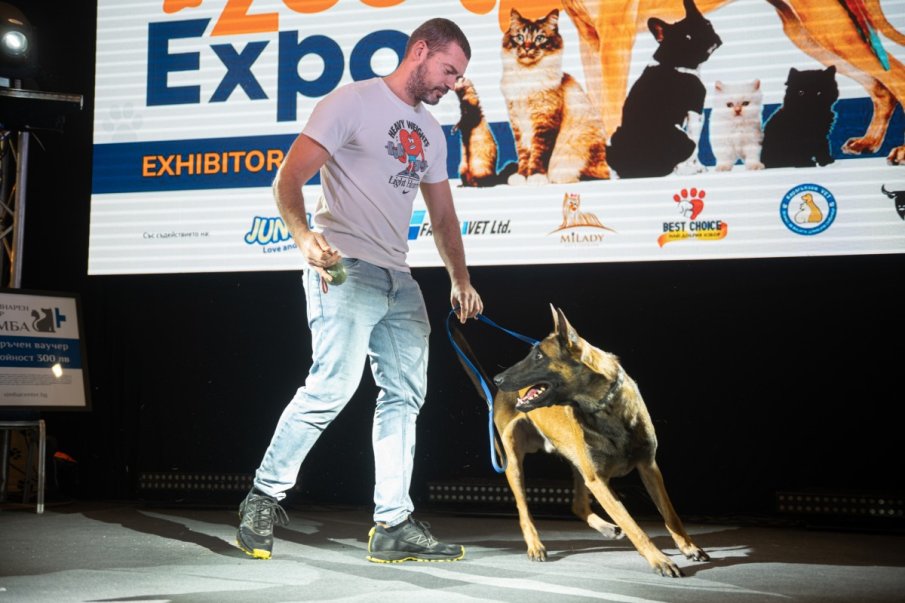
x: 808, y: 209
x: 690, y: 204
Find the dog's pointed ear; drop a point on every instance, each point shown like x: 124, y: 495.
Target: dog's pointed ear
x: 657, y: 27
x: 691, y: 8
x: 567, y: 335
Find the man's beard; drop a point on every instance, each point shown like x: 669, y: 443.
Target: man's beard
x: 420, y: 91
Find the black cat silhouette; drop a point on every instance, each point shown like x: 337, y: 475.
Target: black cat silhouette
x: 797, y: 134
x: 651, y: 141
x: 43, y: 323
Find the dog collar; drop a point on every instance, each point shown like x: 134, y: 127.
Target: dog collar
x: 688, y: 70
x: 615, y: 387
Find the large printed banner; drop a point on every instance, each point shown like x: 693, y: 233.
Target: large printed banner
x: 590, y: 132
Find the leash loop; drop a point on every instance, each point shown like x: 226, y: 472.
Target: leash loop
x: 498, y: 466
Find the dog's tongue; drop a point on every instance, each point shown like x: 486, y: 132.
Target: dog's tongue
x: 527, y: 392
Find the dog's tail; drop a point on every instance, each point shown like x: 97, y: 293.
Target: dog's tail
x: 882, y: 23
x: 475, y: 372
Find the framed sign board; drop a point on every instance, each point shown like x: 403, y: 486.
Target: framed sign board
x: 42, y: 352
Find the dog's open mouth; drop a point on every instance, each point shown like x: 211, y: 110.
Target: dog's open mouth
x: 531, y: 397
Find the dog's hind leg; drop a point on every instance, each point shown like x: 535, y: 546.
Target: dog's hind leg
x: 581, y: 506
x: 653, y: 482
x: 660, y: 563
x: 559, y: 426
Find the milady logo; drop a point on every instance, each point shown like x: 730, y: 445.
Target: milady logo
x: 579, y: 227
x: 690, y: 204
x: 808, y: 209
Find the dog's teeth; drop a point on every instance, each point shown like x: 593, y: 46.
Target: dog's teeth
x: 529, y: 393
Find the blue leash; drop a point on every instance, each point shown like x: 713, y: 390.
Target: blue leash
x: 498, y: 467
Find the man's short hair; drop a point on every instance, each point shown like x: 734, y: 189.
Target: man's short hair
x: 438, y: 33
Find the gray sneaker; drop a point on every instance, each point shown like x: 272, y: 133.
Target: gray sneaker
x: 409, y: 541
x: 258, y: 513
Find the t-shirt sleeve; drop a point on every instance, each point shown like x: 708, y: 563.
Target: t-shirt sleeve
x: 436, y: 171
x: 334, y: 119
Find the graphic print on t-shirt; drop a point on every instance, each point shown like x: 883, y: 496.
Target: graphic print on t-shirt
x: 407, y: 144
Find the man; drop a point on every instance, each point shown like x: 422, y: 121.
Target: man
x: 375, y: 145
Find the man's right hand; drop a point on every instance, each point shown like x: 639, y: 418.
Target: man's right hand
x: 318, y: 253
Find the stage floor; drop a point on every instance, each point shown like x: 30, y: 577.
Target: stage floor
x: 131, y: 552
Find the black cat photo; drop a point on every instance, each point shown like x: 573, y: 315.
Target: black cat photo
x: 651, y: 140
x: 797, y: 134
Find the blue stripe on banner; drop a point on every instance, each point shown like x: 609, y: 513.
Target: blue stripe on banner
x: 252, y: 161
x: 40, y: 352
x: 207, y: 163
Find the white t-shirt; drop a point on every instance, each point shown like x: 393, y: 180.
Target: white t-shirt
x: 381, y: 150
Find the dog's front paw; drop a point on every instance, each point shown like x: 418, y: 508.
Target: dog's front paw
x: 537, y: 552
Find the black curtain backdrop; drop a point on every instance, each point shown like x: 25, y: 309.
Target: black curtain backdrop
x: 760, y: 375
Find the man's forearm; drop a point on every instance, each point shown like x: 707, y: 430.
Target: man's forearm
x: 291, y: 205
x: 448, y: 239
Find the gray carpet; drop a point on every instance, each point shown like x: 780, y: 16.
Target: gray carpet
x: 129, y: 552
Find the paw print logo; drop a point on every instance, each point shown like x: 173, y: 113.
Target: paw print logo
x: 121, y: 123
x: 691, y: 202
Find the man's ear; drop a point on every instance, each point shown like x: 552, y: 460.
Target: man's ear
x: 419, y: 50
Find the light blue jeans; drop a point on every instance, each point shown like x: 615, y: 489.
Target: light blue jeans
x: 378, y: 314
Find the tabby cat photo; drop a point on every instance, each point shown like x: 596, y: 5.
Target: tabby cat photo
x: 559, y: 134
x: 478, y: 166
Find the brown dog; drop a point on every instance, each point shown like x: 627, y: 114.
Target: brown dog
x: 825, y: 30
x: 579, y: 402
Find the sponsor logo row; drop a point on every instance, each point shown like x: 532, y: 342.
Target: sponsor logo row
x: 806, y: 209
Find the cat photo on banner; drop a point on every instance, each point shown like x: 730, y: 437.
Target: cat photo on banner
x: 558, y: 132
x: 479, y: 147
x: 845, y: 34
x: 736, y: 129
x: 797, y: 134
x: 663, y: 115
x: 558, y: 126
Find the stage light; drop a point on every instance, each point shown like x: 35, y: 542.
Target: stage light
x: 17, y: 44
